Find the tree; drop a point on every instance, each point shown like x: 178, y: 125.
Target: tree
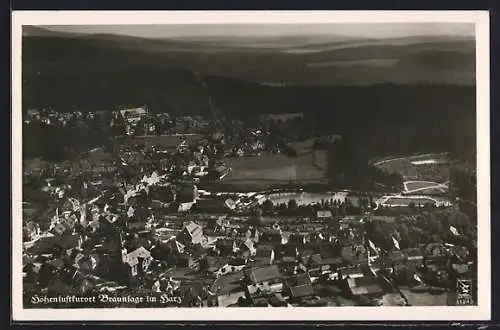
x: 292, y: 205
x: 267, y: 206
x: 204, y: 264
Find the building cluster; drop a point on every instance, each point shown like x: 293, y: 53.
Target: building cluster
x: 120, y: 241
x: 134, y: 219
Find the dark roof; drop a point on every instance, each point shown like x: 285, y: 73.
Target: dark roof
x: 258, y: 275
x: 185, y: 194
x: 299, y: 279
x: 45, y: 244
x: 317, y: 259
x: 301, y: 290
x: 269, y: 231
x: 364, y: 285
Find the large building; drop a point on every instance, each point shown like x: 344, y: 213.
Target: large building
x: 133, y: 115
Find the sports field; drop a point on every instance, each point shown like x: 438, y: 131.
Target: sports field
x: 428, y: 167
x: 275, y: 169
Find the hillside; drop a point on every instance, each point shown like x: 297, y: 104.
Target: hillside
x: 422, y: 114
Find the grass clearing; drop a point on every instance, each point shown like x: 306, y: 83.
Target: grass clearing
x: 274, y: 169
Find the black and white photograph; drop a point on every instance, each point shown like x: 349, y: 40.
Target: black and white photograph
x: 299, y: 164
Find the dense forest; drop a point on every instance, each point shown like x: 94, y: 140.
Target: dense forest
x: 70, y: 74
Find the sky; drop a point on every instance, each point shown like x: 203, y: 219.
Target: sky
x: 348, y: 30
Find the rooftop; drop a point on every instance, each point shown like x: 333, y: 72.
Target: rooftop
x: 258, y: 275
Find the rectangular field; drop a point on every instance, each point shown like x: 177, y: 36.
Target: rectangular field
x: 274, y: 169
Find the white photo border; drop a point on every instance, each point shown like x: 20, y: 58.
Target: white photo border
x: 415, y: 313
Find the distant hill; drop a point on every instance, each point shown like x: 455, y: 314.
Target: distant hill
x: 318, y: 60
x: 425, y: 100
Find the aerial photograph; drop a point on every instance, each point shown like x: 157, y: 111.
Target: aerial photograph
x: 249, y: 165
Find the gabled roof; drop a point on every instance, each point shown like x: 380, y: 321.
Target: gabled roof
x: 262, y: 274
x: 299, y: 279
x: 195, y: 231
x: 141, y: 252
x: 192, y: 227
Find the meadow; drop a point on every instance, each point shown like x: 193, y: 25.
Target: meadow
x: 266, y: 170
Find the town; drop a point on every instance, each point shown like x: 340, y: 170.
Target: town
x: 206, y: 212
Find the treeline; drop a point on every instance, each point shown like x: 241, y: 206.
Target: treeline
x: 56, y: 143
x: 424, y: 228
x: 382, y: 119
x: 348, y: 166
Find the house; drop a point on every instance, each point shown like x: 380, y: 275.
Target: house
x: 225, y: 246
x: 247, y: 249
x: 133, y: 115
x: 324, y: 215
x: 299, y: 287
x: 263, y: 282
x: 301, y: 292
x: 363, y: 286
x: 350, y: 272
x: 211, y: 205
x: 414, y: 256
x: 270, y: 236
x: 298, y: 239
x: 237, y: 151
x: 33, y: 113
x: 396, y: 257
x: 138, y: 260
x: 287, y: 253
x: 267, y: 275
x: 325, y: 260
x: 192, y: 233
x: 353, y: 254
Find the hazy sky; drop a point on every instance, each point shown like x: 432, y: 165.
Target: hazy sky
x: 357, y: 30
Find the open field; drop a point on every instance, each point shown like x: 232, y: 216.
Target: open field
x: 273, y: 169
